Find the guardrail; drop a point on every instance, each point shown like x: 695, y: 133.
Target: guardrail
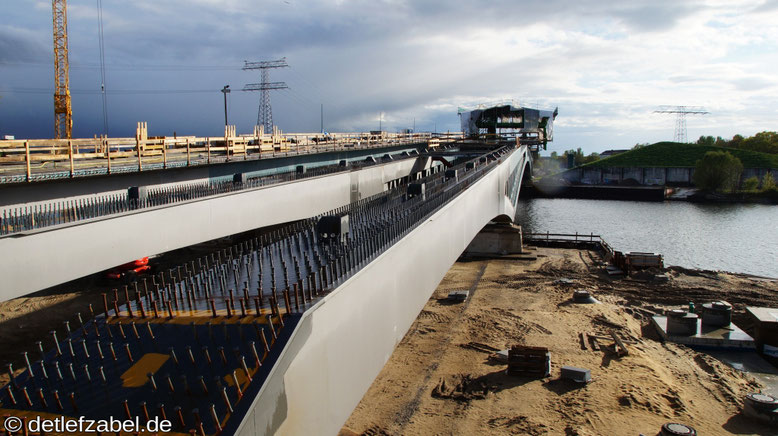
x: 45, y: 159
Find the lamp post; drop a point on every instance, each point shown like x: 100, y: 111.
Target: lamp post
x: 225, y: 91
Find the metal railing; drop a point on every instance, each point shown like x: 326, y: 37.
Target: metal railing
x: 576, y: 237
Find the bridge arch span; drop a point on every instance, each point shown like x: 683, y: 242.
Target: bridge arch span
x: 341, y: 343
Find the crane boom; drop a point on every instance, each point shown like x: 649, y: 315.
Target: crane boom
x: 63, y: 113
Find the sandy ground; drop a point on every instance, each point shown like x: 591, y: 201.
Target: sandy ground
x: 434, y: 384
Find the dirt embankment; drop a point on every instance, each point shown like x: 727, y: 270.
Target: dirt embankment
x: 440, y: 379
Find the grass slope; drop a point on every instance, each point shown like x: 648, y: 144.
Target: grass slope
x: 673, y: 154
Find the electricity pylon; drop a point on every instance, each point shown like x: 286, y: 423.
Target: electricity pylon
x: 680, y: 120
x: 265, y: 111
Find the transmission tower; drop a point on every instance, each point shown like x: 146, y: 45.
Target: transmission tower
x: 63, y: 113
x: 680, y: 119
x: 265, y: 111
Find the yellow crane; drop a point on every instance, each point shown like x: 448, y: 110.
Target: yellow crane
x: 63, y: 113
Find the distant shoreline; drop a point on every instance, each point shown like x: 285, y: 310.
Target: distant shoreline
x: 643, y: 193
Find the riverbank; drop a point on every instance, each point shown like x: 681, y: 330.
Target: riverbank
x: 595, y: 192
x: 645, y: 193
x: 437, y: 381
x: 736, y: 197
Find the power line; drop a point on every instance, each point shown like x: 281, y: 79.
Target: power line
x: 112, y: 91
x: 102, y: 64
x: 133, y: 67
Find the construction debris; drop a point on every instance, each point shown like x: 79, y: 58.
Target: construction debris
x: 618, y: 345
x: 477, y: 346
x: 584, y: 338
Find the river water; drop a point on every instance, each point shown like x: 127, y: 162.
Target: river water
x: 739, y: 238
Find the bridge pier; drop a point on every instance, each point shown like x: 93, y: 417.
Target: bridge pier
x: 496, y: 239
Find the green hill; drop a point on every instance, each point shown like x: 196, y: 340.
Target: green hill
x: 673, y: 154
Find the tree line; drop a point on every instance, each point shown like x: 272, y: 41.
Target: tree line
x: 720, y: 171
x: 764, y: 142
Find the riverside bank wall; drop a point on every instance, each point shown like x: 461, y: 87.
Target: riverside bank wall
x: 679, y: 176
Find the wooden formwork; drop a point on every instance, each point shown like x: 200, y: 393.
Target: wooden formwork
x: 28, y: 156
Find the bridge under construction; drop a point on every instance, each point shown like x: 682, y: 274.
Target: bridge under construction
x: 282, y: 332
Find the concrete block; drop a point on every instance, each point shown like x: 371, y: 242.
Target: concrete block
x: 579, y: 375
x: 458, y: 296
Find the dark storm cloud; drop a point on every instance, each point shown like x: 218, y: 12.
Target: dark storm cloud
x: 18, y: 45
x: 207, y: 29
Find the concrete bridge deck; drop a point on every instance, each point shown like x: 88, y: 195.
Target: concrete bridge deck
x: 39, y: 258
x: 320, y: 327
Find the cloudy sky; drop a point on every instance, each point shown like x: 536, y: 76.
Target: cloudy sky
x: 607, y: 67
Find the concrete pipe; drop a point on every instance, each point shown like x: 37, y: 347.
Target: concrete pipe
x: 717, y: 313
x: 675, y: 429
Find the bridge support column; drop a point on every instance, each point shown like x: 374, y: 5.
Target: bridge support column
x: 496, y: 239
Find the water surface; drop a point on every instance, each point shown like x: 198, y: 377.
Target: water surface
x: 731, y: 237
